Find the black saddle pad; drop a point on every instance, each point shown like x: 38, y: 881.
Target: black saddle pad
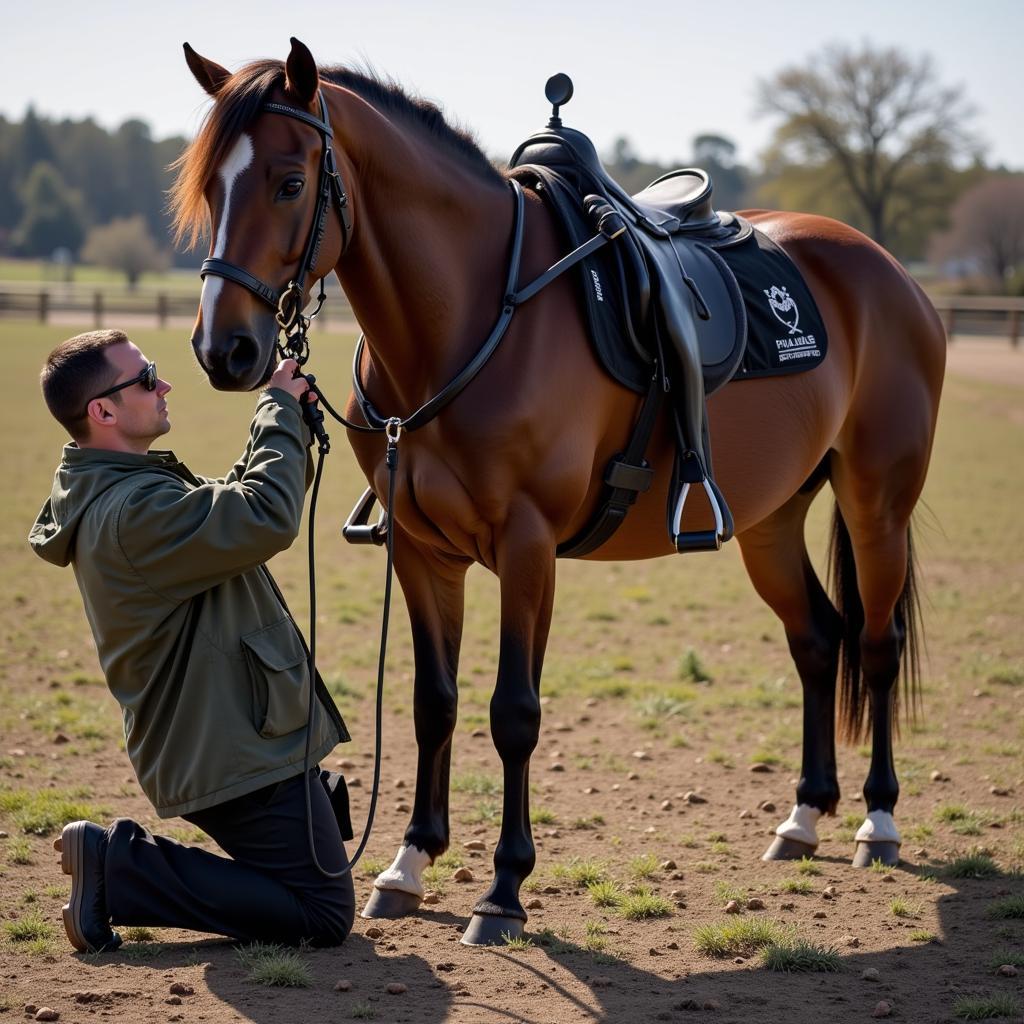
x: 785, y: 330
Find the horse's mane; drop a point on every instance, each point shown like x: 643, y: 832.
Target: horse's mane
x: 238, y: 104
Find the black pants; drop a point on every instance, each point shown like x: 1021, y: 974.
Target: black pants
x: 269, y: 890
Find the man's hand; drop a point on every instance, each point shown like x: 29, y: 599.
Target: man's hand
x: 285, y: 379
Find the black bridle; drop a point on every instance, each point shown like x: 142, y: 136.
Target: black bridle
x: 288, y: 304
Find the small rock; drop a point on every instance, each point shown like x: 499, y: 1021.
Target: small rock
x: 590, y: 702
x: 1007, y: 971
x: 641, y: 755
x: 173, y: 1000
x: 402, y: 807
x: 562, y: 727
x: 998, y: 791
x: 535, y: 904
x: 556, y: 767
x: 694, y: 798
x: 882, y: 1009
x: 432, y: 897
x: 552, y: 833
x: 849, y: 940
x: 888, y: 878
x: 343, y: 986
x: 829, y: 892
x: 937, y: 776
x: 755, y: 904
x: 668, y: 865
x: 550, y: 890
x: 653, y: 952
x: 344, y: 763
x: 395, y: 988
x: 676, y: 894
x: 477, y: 733
x: 475, y: 844
x: 45, y: 1013
x: 3, y: 835
x: 920, y: 852
x: 739, y: 960
x: 354, y: 783
x: 601, y: 982
x: 462, y: 875
x: 732, y: 907
x: 786, y: 906
x: 687, y: 1004
x: 632, y: 776
x: 712, y: 1004
x: 590, y: 790
x: 61, y: 738
x: 181, y: 989
x: 869, y: 974
x: 446, y: 966
x: 767, y: 805
x: 30, y: 1009
x: 666, y: 805
x: 399, y: 783
x: 819, y: 915
x: 745, y: 814
x: 374, y: 932
x: 761, y: 766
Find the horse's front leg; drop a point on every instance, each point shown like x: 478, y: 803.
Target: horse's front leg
x: 434, y: 588
x: 526, y: 569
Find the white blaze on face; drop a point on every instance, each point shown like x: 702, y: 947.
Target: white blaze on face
x: 238, y: 160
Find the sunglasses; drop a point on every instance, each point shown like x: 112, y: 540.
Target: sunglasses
x: 147, y: 379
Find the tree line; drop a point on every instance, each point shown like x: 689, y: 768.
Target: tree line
x: 868, y: 135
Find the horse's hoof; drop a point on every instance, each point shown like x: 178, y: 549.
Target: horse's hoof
x: 788, y: 849
x: 491, y: 930
x: 391, y: 903
x: 867, y: 853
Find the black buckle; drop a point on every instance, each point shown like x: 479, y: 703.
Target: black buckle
x: 625, y: 475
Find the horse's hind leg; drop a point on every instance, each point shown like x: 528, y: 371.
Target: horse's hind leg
x: 776, y: 559
x: 526, y: 569
x: 433, y: 592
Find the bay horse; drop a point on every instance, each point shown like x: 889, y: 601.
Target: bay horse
x: 513, y: 466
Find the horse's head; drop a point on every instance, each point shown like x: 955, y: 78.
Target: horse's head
x: 252, y: 177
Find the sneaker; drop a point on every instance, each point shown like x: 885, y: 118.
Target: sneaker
x: 83, y: 847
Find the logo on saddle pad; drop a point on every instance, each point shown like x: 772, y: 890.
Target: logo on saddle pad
x: 783, y: 306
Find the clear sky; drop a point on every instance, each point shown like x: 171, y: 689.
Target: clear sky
x: 656, y: 72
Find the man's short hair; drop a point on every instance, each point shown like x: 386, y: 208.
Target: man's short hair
x: 75, y: 371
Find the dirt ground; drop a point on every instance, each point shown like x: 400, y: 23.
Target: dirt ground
x: 629, y: 729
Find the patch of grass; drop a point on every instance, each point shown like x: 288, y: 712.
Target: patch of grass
x: 660, y: 707
x: 542, y: 816
x: 137, y: 933
x: 900, y: 907
x: 363, y: 1011
x: 371, y: 867
x: 1010, y: 907
x: 644, y: 866
x: 919, y: 833
x: 720, y: 847
x: 807, y: 866
x: 33, y: 926
x: 642, y: 903
x: 19, y: 850
x: 692, y: 668
x: 1005, y: 956
x: 43, y: 811
x: 517, y: 942
x: 972, y: 865
x: 705, y: 867
x: 724, y: 892
x: 594, y: 941
x: 922, y: 935
x: 986, y: 1007
x: 593, y: 821
x: 722, y: 758
x: 57, y: 892
x: 740, y: 937
x: 605, y: 893
x: 554, y: 942
x: 477, y: 783
x: 270, y: 964
x: 580, y: 873
x: 879, y: 867
x: 484, y: 812
x: 142, y: 952
x: 797, y: 886
x: 799, y: 956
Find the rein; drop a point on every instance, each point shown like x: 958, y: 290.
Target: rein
x: 294, y: 325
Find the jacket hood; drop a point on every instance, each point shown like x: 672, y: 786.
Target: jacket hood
x: 82, y: 476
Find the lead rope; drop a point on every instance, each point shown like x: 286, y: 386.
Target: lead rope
x: 393, y: 431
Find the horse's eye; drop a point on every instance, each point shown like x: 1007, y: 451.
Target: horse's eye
x: 291, y: 189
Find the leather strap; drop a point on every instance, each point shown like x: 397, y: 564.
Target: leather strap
x: 221, y: 268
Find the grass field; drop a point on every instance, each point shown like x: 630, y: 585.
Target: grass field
x: 43, y: 273
x: 674, y: 657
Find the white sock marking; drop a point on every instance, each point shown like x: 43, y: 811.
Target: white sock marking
x: 238, y: 160
x: 406, y: 871
x: 878, y: 827
x: 802, y: 825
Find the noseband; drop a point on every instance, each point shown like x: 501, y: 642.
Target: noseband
x: 288, y: 304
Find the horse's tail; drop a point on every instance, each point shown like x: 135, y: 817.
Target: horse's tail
x: 853, y: 701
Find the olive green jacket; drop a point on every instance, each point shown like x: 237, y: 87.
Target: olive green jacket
x: 192, y: 633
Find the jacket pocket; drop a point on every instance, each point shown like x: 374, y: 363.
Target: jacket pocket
x: 280, y: 678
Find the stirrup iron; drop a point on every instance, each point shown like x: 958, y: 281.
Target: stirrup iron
x: 357, y: 528
x: 701, y: 540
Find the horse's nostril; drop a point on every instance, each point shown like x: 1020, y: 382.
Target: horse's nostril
x: 243, y: 355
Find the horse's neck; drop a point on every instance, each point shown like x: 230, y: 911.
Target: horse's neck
x: 426, y: 269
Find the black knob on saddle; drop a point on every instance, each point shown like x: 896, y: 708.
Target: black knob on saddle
x: 558, y: 90
x: 604, y: 216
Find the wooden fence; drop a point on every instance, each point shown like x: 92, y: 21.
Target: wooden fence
x: 993, y: 316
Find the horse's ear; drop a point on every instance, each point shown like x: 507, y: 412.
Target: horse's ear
x: 301, y: 76
x: 209, y: 75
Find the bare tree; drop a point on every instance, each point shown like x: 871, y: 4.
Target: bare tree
x: 125, y: 244
x: 988, y: 229
x: 877, y: 117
